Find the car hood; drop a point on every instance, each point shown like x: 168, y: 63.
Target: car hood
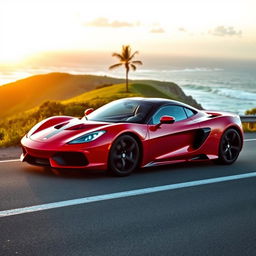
x: 67, y: 131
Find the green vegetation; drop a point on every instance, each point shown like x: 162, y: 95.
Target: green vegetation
x: 125, y: 58
x: 149, y: 91
x: 251, y: 111
x: 14, y: 127
x: 250, y: 127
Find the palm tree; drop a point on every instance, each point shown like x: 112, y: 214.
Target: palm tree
x: 125, y: 58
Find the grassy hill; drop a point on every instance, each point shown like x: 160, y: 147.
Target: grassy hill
x: 31, y: 92
x: 117, y: 91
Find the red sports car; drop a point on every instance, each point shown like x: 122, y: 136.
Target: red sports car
x: 134, y: 132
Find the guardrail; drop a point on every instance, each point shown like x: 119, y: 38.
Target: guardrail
x: 248, y: 118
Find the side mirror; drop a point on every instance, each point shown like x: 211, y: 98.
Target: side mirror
x: 88, y: 111
x: 167, y: 120
x: 163, y: 120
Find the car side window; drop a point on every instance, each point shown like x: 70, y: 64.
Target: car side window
x: 176, y: 111
x: 189, y: 112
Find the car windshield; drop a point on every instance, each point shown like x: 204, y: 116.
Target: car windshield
x: 125, y: 110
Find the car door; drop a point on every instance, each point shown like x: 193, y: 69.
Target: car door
x: 171, y: 141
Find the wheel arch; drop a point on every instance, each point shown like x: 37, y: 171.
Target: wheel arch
x: 238, y: 129
x: 137, y: 138
x: 220, y: 159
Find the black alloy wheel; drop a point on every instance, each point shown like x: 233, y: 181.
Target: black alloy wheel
x: 124, y: 156
x: 230, y: 146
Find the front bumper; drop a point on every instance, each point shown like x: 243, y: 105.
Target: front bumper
x: 78, y: 156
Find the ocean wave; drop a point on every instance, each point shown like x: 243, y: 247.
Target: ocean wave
x: 226, y: 92
x: 167, y: 70
x: 197, y: 69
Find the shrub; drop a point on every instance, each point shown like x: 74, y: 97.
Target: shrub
x: 2, y: 134
x: 250, y: 127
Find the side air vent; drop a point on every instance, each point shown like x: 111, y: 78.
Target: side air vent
x: 200, y: 157
x: 201, y: 136
x: 60, y: 125
x: 212, y: 114
x: 77, y: 127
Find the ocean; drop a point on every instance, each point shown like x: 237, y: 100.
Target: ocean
x: 215, y: 89
x: 224, y: 89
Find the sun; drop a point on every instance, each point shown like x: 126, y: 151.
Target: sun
x: 8, y: 55
x: 34, y: 29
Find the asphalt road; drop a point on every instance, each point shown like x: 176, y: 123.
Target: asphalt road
x: 214, y: 219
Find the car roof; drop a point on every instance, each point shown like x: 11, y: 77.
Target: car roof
x: 160, y: 101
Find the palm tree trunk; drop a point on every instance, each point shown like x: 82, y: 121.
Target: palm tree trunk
x: 126, y: 78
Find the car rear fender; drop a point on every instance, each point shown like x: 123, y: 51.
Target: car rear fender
x: 218, y: 125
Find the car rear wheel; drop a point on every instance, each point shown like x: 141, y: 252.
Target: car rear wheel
x: 230, y: 146
x: 124, y: 156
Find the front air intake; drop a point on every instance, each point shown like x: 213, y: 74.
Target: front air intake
x: 70, y: 159
x: 37, y: 160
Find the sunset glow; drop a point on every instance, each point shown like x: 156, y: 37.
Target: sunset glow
x: 188, y: 28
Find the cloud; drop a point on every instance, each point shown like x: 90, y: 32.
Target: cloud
x: 225, y: 31
x: 104, y: 22
x: 181, y: 29
x: 157, y: 30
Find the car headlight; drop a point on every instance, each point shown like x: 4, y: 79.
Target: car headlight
x: 87, y: 137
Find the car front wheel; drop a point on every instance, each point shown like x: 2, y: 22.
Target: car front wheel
x: 124, y: 156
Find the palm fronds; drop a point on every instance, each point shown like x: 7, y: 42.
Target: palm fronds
x: 125, y: 58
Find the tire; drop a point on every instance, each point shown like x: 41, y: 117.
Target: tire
x: 124, y: 156
x: 230, y: 146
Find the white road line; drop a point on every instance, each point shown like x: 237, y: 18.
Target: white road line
x: 10, y: 160
x: 136, y: 192
x: 250, y: 140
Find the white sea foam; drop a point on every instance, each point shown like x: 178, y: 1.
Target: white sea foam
x: 198, y: 69
x: 227, y: 92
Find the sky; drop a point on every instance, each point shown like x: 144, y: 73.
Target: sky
x: 188, y: 28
